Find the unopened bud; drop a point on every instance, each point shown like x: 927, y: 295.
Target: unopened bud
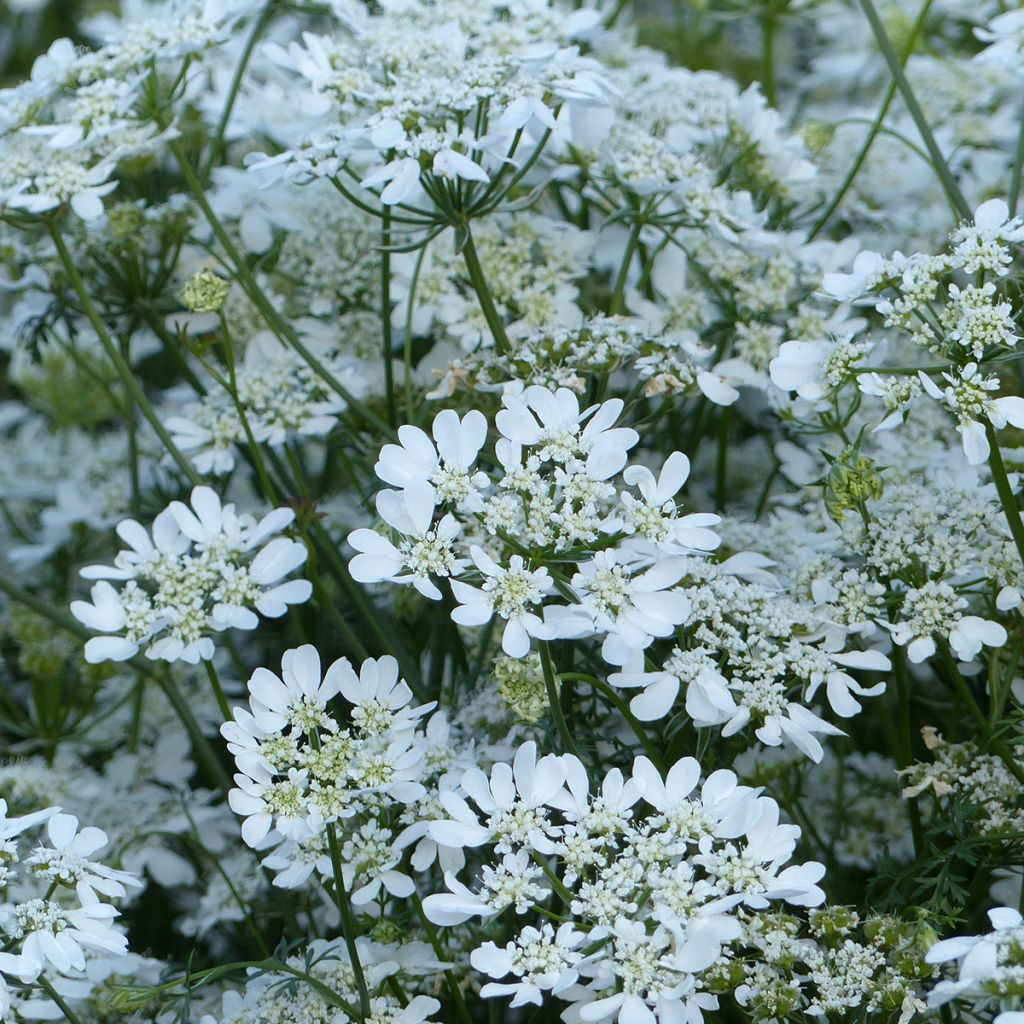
x: 204, y: 292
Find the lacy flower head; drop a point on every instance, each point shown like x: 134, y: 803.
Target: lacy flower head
x: 204, y: 568
x: 647, y: 876
x: 318, y: 748
x: 558, y: 540
x: 54, y: 918
x: 418, y: 97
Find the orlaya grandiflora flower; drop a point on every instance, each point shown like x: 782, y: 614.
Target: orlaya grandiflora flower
x: 541, y: 959
x: 754, y: 870
x: 983, y: 961
x: 446, y: 462
x: 666, y: 964
x: 791, y: 722
x: 724, y: 808
x: 936, y: 608
x: 424, y: 548
x: 968, y: 394
x: 553, y: 424
x: 510, y: 593
x: 827, y: 667
x: 298, y: 768
x: 630, y: 609
x: 656, y: 518
x: 515, y: 881
x: 57, y: 935
x: 66, y: 860
x: 192, y: 578
x: 708, y: 699
x: 513, y: 804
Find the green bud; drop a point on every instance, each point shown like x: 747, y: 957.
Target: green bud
x: 852, y: 481
x: 832, y: 923
x: 204, y: 292
x: 521, y: 686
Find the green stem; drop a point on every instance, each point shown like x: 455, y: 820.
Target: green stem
x: 435, y: 942
x: 69, y: 1015
x: 407, y: 339
x: 198, y: 978
x: 554, y: 703
x: 217, y: 145
x: 218, y: 690
x: 388, y: 353
x: 483, y: 293
x: 1007, y: 499
x: 114, y: 355
x: 348, y: 925
x: 865, y: 148
x: 1018, y: 166
x: 906, y: 738
x: 964, y: 693
x: 615, y: 304
x: 623, y: 708
x: 949, y: 182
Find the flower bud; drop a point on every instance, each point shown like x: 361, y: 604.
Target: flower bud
x: 204, y: 292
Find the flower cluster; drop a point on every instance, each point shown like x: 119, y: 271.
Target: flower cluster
x: 647, y: 898
x: 202, y: 569
x: 55, y: 916
x: 549, y: 477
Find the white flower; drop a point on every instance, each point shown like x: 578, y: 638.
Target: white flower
x: 630, y: 609
x: 52, y: 934
x: 981, y: 958
x: 424, y: 549
x: 839, y: 685
x: 551, y: 422
x: 935, y: 607
x: 514, y: 803
x: 514, y: 882
x: 265, y: 802
x: 511, y: 593
x: 542, y: 960
x: 867, y: 268
x: 815, y: 368
x: 194, y: 577
x: 66, y: 861
x: 299, y: 698
x: 656, y: 518
x: 448, y: 468
x: 967, y: 395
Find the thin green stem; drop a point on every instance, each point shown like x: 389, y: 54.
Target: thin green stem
x: 388, y: 345
x: 218, y: 690
x: 1007, y: 499
x: 69, y: 1015
x: 942, y: 169
x: 483, y: 293
x: 435, y: 942
x: 348, y: 924
x: 551, y: 685
x: 622, y: 707
x: 616, y: 304
x: 876, y: 126
x: 217, y: 145
x: 906, y: 737
x: 964, y: 693
x: 1015, y: 175
x: 113, y: 354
